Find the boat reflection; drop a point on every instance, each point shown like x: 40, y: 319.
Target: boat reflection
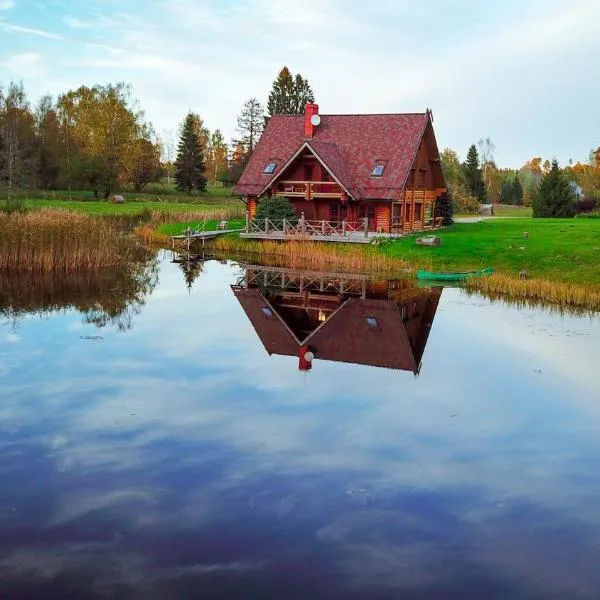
x: 338, y: 316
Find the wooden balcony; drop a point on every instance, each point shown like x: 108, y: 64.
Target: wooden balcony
x: 308, y: 190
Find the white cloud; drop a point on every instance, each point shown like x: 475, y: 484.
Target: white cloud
x: 6, y: 4
x: 76, y: 23
x: 31, y: 31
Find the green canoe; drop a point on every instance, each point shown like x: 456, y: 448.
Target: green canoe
x: 457, y: 276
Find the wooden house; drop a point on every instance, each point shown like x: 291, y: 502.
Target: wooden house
x: 378, y: 170
x: 343, y: 318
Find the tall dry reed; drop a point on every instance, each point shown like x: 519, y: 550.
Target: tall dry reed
x: 313, y: 255
x: 57, y: 240
x: 537, y: 292
x: 210, y: 214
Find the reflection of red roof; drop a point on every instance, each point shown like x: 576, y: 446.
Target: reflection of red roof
x: 346, y: 336
x: 350, y: 145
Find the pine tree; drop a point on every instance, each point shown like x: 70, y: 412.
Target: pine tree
x: 288, y: 95
x: 517, y: 191
x: 473, y: 177
x: 189, y: 165
x: 554, y: 196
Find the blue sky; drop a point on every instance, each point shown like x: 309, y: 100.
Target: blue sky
x: 523, y: 73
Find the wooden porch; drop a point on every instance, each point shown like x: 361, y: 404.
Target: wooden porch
x: 356, y: 232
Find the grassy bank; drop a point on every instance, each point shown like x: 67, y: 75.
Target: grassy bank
x: 564, y: 250
x: 56, y: 240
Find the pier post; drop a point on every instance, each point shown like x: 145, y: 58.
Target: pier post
x: 344, y: 228
x: 323, y: 227
x: 366, y: 226
x: 266, y: 225
x: 247, y: 221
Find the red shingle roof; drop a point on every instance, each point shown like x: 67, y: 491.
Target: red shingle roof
x: 350, y: 145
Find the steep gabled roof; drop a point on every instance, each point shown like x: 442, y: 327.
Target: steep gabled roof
x: 350, y: 145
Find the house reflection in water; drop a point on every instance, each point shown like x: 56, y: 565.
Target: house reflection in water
x: 339, y: 317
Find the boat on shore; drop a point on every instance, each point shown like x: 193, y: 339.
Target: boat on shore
x: 452, y: 276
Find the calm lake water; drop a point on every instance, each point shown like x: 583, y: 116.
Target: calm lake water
x: 167, y: 435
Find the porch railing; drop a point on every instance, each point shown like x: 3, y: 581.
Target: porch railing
x: 307, y: 228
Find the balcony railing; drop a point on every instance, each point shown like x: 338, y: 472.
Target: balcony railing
x: 309, y: 189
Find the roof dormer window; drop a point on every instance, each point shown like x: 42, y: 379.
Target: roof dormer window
x: 377, y: 171
x: 270, y: 168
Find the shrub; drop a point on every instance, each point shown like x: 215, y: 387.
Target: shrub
x: 275, y: 209
x: 464, y: 202
x: 587, y: 205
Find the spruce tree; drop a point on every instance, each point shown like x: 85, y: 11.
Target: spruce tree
x: 444, y: 207
x: 288, y: 95
x: 517, y: 191
x: 554, y: 197
x: 189, y: 165
x: 473, y: 177
x: 506, y: 192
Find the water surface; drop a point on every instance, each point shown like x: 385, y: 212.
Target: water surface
x: 163, y: 436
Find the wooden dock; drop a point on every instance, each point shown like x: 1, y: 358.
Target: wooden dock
x: 186, y: 239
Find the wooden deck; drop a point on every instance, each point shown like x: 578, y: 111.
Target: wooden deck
x: 186, y: 239
x: 318, y: 231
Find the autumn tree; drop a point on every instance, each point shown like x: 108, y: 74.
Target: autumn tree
x: 554, y: 196
x: 452, y: 169
x: 237, y: 162
x: 189, y: 165
x: 48, y: 143
x: 288, y: 95
x: 17, y: 140
x: 473, y: 177
x: 167, y: 146
x: 142, y: 163
x: 102, y: 125
x: 218, y: 166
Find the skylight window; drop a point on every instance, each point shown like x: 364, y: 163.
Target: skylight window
x: 377, y: 171
x: 270, y: 168
x: 267, y: 311
x: 372, y: 322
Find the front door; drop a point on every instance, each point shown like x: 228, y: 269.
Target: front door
x: 338, y: 212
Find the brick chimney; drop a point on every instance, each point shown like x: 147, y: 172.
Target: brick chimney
x: 309, y: 111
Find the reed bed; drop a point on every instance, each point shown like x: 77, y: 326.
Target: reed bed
x: 58, y: 240
x: 313, y: 255
x: 160, y: 217
x: 537, y: 292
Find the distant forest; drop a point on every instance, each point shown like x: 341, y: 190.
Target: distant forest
x: 98, y: 139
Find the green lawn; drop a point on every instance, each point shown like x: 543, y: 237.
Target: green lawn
x: 505, y: 210
x: 560, y: 249
x: 179, y: 228
x: 214, y: 198
x: 102, y: 207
